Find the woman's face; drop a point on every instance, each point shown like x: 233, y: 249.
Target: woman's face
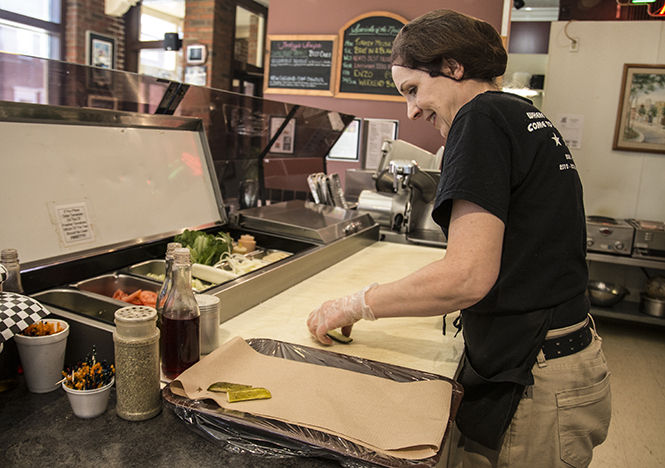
x: 427, y: 97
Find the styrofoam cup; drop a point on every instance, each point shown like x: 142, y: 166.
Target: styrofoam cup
x: 43, y: 358
x: 89, y: 403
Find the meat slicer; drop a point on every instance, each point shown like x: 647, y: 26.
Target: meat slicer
x: 402, y: 198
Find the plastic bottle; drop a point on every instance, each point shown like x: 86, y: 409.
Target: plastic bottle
x: 180, y: 319
x: 136, y: 345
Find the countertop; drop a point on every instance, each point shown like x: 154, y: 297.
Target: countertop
x: 40, y: 429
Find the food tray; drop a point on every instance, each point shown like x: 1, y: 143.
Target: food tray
x: 272, y: 438
x: 106, y: 285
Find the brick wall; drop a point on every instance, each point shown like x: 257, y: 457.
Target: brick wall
x: 88, y: 15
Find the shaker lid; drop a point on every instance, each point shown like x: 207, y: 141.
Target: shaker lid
x: 135, y: 321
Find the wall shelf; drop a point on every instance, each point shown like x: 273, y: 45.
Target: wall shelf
x: 627, y: 311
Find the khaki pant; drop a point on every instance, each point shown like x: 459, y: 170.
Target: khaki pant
x: 559, y: 419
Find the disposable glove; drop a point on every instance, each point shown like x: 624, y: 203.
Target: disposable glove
x: 339, y: 313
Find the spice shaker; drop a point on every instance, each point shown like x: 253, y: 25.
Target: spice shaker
x: 209, y: 322
x: 136, y: 340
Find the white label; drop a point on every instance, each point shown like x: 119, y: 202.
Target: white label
x: 73, y: 223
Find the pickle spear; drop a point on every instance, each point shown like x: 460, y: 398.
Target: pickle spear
x: 256, y: 393
x: 339, y: 337
x: 223, y: 387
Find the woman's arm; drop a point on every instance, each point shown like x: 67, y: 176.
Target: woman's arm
x: 461, y: 278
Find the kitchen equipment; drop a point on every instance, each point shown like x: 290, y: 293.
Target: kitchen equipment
x: 605, y: 294
x: 609, y: 235
x: 402, y: 197
x: 649, y: 239
x: 652, y: 306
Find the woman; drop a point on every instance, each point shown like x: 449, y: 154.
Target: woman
x: 510, y: 203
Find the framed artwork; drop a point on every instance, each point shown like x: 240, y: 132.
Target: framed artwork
x: 100, y: 50
x: 285, y: 142
x: 640, y: 122
x: 348, y: 145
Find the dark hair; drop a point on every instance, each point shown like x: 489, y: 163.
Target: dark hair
x: 431, y: 40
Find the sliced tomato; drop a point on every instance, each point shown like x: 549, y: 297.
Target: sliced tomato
x: 148, y: 298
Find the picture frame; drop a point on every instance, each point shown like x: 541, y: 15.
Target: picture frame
x: 347, y: 147
x: 640, y: 124
x: 102, y: 102
x: 100, y: 50
x: 285, y: 142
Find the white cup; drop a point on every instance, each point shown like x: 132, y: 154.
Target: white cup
x: 43, y: 358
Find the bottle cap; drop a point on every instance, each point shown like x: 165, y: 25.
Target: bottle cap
x: 135, y: 321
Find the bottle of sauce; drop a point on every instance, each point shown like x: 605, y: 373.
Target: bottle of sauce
x: 9, y: 258
x: 180, y: 319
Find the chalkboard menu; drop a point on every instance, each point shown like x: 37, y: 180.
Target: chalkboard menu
x: 301, y: 65
x: 365, y: 48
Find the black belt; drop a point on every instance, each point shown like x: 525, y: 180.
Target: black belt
x: 568, y: 344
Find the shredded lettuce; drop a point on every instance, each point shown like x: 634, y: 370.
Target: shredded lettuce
x: 204, y: 248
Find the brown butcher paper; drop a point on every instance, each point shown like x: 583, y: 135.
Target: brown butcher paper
x: 400, y: 419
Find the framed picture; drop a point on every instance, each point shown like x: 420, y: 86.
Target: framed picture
x: 285, y: 142
x: 100, y: 50
x: 348, y: 145
x: 641, y: 116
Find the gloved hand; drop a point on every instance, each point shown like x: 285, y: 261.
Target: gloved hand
x: 342, y: 312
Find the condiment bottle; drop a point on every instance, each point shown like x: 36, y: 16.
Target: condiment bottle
x: 180, y: 319
x: 168, y: 280
x: 136, y: 344
x: 9, y: 258
x: 209, y: 308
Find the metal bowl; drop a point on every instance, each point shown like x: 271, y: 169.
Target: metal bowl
x: 605, y: 294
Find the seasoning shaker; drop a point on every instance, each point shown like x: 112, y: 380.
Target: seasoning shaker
x: 209, y: 322
x: 136, y: 342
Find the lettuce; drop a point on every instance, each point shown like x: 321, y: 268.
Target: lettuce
x: 204, y: 248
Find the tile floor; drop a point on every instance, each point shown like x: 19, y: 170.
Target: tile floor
x: 636, y: 358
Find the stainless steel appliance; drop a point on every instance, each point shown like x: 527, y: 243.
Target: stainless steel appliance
x: 609, y: 235
x: 402, y: 197
x: 649, y: 239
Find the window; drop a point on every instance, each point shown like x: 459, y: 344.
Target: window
x: 248, y: 46
x: 31, y: 28
x: 157, y: 19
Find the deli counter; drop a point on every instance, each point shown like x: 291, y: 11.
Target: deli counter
x: 106, y: 169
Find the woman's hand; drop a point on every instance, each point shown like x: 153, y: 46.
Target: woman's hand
x: 339, y: 313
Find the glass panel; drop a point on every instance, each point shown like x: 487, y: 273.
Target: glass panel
x: 21, y: 39
x: 262, y: 150
x: 154, y: 27
x: 161, y: 63
x: 46, y: 10
x: 248, y: 46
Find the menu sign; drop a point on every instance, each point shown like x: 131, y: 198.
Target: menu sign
x: 300, y: 64
x: 365, y: 48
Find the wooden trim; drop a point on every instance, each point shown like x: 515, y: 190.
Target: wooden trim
x: 302, y: 37
x: 340, y: 48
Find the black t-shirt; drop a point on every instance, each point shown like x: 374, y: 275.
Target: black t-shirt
x: 504, y: 155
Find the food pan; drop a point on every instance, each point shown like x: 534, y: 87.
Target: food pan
x: 91, y: 305
x: 106, y: 285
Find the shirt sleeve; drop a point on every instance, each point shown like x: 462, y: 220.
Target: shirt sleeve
x: 476, y: 168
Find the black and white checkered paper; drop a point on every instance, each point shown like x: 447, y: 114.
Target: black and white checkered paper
x: 17, y: 312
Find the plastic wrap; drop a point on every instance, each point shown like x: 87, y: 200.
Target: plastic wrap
x: 245, y: 433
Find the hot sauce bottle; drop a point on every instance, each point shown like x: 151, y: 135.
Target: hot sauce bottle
x: 180, y: 319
